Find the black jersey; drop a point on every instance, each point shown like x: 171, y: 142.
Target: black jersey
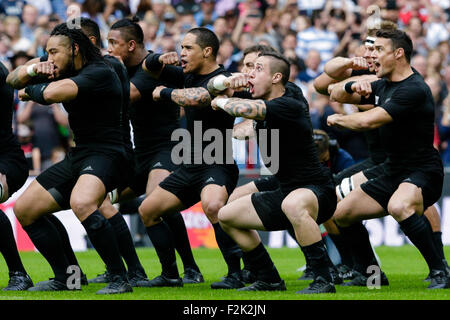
x: 153, y: 121
x: 408, y: 140
x: 298, y: 157
x: 95, y: 114
x: 121, y: 71
x: 375, y: 148
x: 7, y: 138
x: 202, y: 119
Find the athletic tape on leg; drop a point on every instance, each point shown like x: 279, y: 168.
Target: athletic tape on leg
x: 344, y: 188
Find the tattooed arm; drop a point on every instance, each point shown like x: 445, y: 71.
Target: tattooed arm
x: 19, y: 77
x: 188, y: 97
x: 246, y: 108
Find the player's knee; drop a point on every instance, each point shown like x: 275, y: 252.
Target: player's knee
x: 81, y: 207
x: 400, y: 210
x: 22, y: 211
x: 225, y: 216
x: 212, y: 207
x: 295, y: 212
x: 343, y: 215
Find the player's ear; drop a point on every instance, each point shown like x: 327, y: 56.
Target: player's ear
x: 207, y: 52
x: 76, y: 49
x: 131, y: 45
x: 398, y: 53
x: 276, y: 78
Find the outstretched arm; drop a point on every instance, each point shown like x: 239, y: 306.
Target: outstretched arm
x: 246, y: 108
x: 47, y: 93
x: 188, y: 97
x: 22, y: 75
x: 361, y: 121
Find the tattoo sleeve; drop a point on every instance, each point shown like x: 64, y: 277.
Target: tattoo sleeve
x: 14, y: 79
x: 250, y: 109
x: 191, y: 97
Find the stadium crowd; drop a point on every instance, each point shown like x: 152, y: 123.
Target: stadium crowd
x: 308, y: 33
x: 299, y: 40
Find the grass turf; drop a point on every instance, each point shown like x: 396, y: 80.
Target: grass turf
x: 404, y: 267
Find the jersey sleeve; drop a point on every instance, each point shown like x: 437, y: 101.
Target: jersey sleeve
x: 404, y: 101
x: 283, y: 108
x: 92, y: 79
x: 144, y: 83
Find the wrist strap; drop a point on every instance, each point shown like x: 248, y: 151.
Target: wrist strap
x: 166, y: 93
x: 30, y: 70
x: 348, y: 87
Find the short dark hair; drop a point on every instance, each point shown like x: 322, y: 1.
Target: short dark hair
x: 259, y: 48
x: 321, y: 140
x: 281, y: 65
x: 206, y: 38
x: 130, y: 30
x: 91, y: 29
x: 399, y: 39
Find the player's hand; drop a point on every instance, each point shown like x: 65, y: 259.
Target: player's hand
x: 214, y: 102
x: 332, y: 120
x: 237, y: 81
x: 46, y: 69
x: 157, y: 93
x: 358, y: 63
x: 244, y: 130
x: 22, y: 95
x: 362, y: 87
x: 170, y: 58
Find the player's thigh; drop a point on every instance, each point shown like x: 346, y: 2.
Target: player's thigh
x: 155, y: 177
x: 242, y: 191
x: 357, y: 206
x: 406, y: 200
x: 33, y: 203
x: 159, y: 203
x: 240, y: 214
x: 87, y: 195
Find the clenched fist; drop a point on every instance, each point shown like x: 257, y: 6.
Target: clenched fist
x: 170, y: 58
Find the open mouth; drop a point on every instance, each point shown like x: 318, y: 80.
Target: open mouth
x: 376, y: 65
x: 183, y: 63
x: 251, y: 88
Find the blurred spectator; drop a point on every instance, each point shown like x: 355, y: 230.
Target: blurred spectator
x: 206, y: 16
x: 312, y: 67
x: 289, y: 41
x: 29, y: 17
x: 46, y: 121
x: 294, y: 72
x: 419, y: 63
x: 43, y: 7
x: 437, y: 30
x: 220, y: 27
x: 225, y: 54
x: 12, y: 30
x: 330, y: 154
x: 12, y: 8
x: 317, y: 37
x: 5, y: 50
x: 32, y: 153
x: 416, y: 32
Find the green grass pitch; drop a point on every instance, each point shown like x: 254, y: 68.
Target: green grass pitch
x: 404, y: 267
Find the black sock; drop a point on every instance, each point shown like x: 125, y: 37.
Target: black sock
x: 125, y: 242
x: 162, y: 240
x: 181, y: 240
x: 357, y: 238
x: 102, y: 237
x: 47, y: 240
x: 230, y: 250
x: 344, y: 250
x: 8, y: 246
x: 260, y: 260
x: 65, y: 241
x: 437, y: 238
x: 421, y: 235
x: 317, y: 256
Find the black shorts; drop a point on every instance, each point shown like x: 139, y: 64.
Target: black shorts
x: 60, y: 178
x: 376, y: 171
x: 357, y: 167
x: 188, y: 181
x: 383, y: 187
x: 267, y: 183
x: 160, y: 160
x: 15, y: 167
x: 268, y: 206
